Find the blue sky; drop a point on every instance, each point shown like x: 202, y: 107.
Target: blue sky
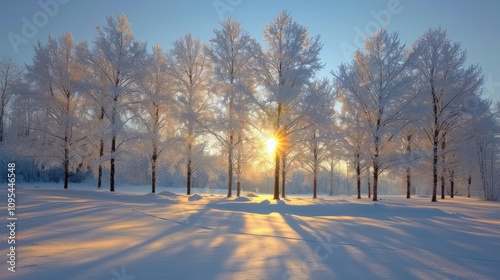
x: 340, y: 24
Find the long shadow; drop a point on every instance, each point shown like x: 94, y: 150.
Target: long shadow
x: 374, y: 210
x: 376, y: 230
x: 374, y: 250
x: 207, y: 242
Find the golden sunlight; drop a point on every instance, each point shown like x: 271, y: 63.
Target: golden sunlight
x: 271, y: 145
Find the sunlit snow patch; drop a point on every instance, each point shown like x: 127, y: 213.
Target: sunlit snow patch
x: 195, y: 197
x: 167, y: 193
x: 251, y: 194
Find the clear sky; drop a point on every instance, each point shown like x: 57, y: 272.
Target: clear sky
x: 475, y: 24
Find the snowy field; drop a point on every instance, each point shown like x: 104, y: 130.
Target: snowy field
x: 82, y: 233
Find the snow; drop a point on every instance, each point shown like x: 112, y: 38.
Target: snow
x: 242, y: 198
x: 167, y: 193
x: 84, y: 233
x: 195, y: 197
x: 251, y: 194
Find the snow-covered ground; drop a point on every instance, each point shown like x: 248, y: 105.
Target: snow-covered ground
x: 82, y: 233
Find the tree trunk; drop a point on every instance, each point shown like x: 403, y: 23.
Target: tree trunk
x: 443, y: 169
x: 231, y: 142
x: 154, y: 158
x: 375, y: 182
x: 469, y: 182
x: 113, y: 146
x: 434, y: 168
x: 376, y: 166
x: 315, y: 184
x: 238, y: 186
x: 188, y: 170
x: 230, y: 167
x: 358, y: 175
x: 452, y: 185
x: 315, y: 172
x: 409, y: 137
x: 66, y: 166
x: 67, y: 133
x: 408, y: 182
x: 369, y: 179
x: 238, y: 168
x: 277, y: 176
x: 283, y: 175
x: 101, y: 153
x: 435, y: 142
x: 277, y: 158
x: 112, y: 165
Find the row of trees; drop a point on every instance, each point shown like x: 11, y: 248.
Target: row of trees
x: 426, y: 91
x: 395, y: 109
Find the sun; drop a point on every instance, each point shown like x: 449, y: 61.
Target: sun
x: 271, y: 145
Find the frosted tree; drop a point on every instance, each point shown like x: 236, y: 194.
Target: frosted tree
x: 331, y: 161
x: 482, y: 150
x: 288, y: 63
x: 95, y: 85
x: 307, y: 131
x: 156, y: 112
x: 10, y: 77
x: 352, y: 135
x: 190, y: 68
x: 410, y: 148
x: 319, y: 105
x: 230, y: 55
x: 451, y: 147
x: 377, y: 82
x: 55, y: 74
x: 20, y: 113
x: 447, y: 83
x: 120, y: 60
